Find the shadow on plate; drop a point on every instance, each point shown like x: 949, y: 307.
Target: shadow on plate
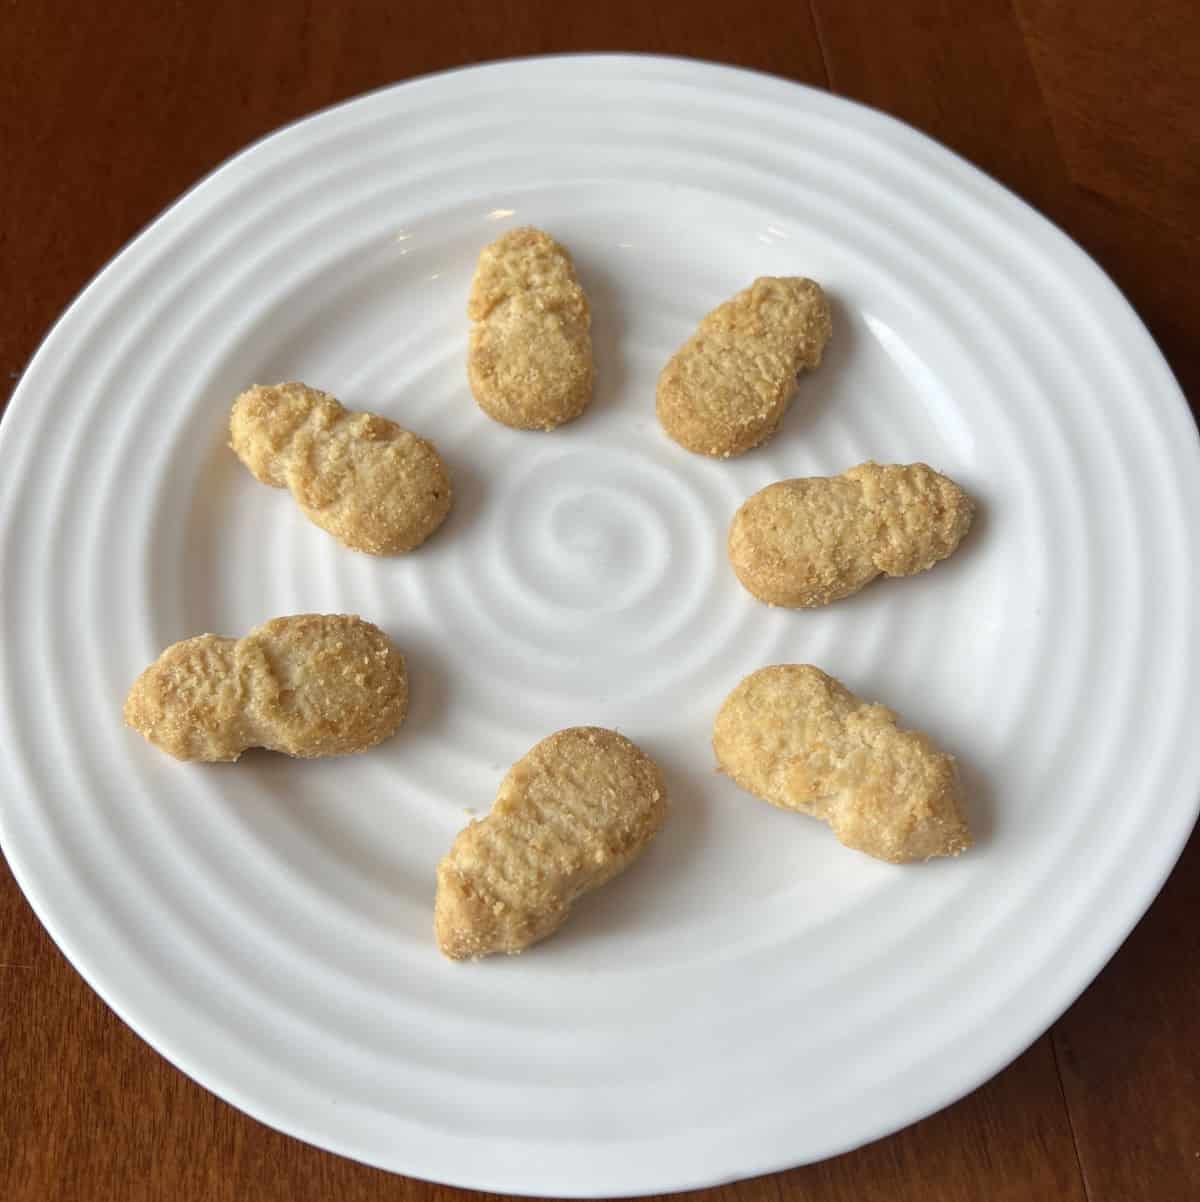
x: 818, y: 390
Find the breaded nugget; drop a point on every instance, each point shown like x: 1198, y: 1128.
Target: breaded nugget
x: 570, y: 815
x: 797, y: 738
x: 370, y: 483
x: 310, y: 685
x: 727, y: 388
x: 530, y: 355
x: 806, y: 542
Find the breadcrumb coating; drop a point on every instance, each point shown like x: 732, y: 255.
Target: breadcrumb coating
x: 530, y: 355
x: 373, y: 485
x: 727, y: 388
x: 797, y: 738
x: 310, y: 685
x: 810, y: 541
x: 570, y: 815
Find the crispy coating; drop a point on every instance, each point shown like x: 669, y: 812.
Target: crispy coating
x: 727, y: 388
x: 310, y: 685
x: 799, y: 739
x: 370, y: 483
x: 570, y: 815
x: 806, y: 542
x: 530, y: 355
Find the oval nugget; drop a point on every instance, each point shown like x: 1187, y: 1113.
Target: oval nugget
x: 569, y: 816
x: 727, y: 388
x: 530, y: 355
x: 797, y: 738
x: 813, y: 540
x: 309, y: 685
x: 372, y: 484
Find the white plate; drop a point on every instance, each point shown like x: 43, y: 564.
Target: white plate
x: 751, y: 995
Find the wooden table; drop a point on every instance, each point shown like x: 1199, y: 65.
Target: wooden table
x: 1089, y: 109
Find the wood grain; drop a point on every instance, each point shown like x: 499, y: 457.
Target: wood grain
x: 1090, y: 111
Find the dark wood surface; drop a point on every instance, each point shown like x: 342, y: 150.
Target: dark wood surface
x: 1090, y: 110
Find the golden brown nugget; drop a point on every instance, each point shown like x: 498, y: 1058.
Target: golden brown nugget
x: 727, y: 388
x: 310, y: 685
x: 570, y: 815
x: 797, y: 738
x: 807, y: 542
x: 370, y: 483
x: 530, y: 355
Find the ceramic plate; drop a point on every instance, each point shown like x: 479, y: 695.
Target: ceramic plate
x: 751, y: 995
